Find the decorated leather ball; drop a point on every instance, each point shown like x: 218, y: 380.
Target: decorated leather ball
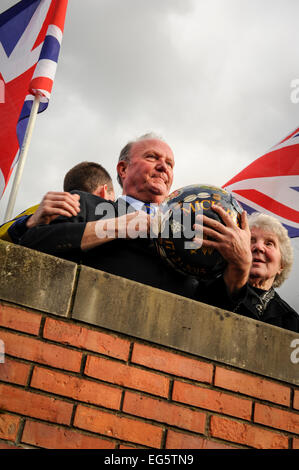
x: 174, y: 243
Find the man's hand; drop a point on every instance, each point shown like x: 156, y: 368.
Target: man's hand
x: 129, y: 226
x: 54, y: 204
x: 233, y: 243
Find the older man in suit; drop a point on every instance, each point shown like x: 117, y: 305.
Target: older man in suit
x: 145, y: 172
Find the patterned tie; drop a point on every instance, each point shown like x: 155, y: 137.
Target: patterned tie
x: 147, y: 208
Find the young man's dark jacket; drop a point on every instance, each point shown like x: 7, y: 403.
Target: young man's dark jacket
x: 134, y: 259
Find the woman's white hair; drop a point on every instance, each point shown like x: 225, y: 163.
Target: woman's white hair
x: 271, y: 224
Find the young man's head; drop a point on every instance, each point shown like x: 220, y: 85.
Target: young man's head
x: 89, y: 177
x: 145, y: 169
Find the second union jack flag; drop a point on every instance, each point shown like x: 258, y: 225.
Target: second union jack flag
x: 271, y: 184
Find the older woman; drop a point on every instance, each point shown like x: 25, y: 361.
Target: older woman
x: 259, y: 258
x: 272, y: 259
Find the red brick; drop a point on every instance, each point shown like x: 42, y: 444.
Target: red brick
x: 212, y: 400
x: 177, y: 440
x: 9, y: 425
x: 76, y: 388
x: 35, y: 405
x: 253, y: 386
x: 4, y: 445
x: 38, y: 351
x: 14, y: 371
x: 20, y: 320
x: 295, y: 443
x: 172, y: 363
x: 118, y: 427
x: 55, y: 437
x: 246, y: 434
x: 296, y: 399
x: 85, y: 338
x: 127, y: 376
x: 276, y: 418
x: 164, y: 412
x: 130, y: 447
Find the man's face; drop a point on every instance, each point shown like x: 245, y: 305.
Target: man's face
x: 149, y: 173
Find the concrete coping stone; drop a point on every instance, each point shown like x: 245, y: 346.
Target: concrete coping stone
x: 167, y: 319
x: 36, y: 280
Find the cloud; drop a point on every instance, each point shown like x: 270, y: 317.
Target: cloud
x: 212, y: 77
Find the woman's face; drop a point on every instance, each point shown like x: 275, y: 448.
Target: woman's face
x: 266, y: 258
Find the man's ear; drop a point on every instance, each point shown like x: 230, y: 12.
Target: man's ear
x: 101, y: 191
x: 121, y: 169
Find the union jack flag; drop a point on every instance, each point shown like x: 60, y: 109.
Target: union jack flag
x: 30, y: 39
x: 271, y: 184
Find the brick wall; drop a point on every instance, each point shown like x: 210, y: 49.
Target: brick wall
x: 96, y: 361
x: 67, y: 385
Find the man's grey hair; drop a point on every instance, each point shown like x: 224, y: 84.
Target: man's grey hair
x: 125, y: 153
x: 271, y: 224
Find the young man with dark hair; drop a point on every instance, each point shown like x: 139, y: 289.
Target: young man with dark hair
x: 85, y: 176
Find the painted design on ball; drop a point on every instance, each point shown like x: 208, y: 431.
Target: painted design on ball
x: 181, y: 208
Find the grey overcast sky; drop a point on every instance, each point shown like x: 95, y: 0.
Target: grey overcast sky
x: 213, y: 77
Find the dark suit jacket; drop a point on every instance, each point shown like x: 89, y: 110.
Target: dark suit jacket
x: 134, y: 259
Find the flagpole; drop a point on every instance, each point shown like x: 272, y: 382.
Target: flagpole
x: 22, y: 158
